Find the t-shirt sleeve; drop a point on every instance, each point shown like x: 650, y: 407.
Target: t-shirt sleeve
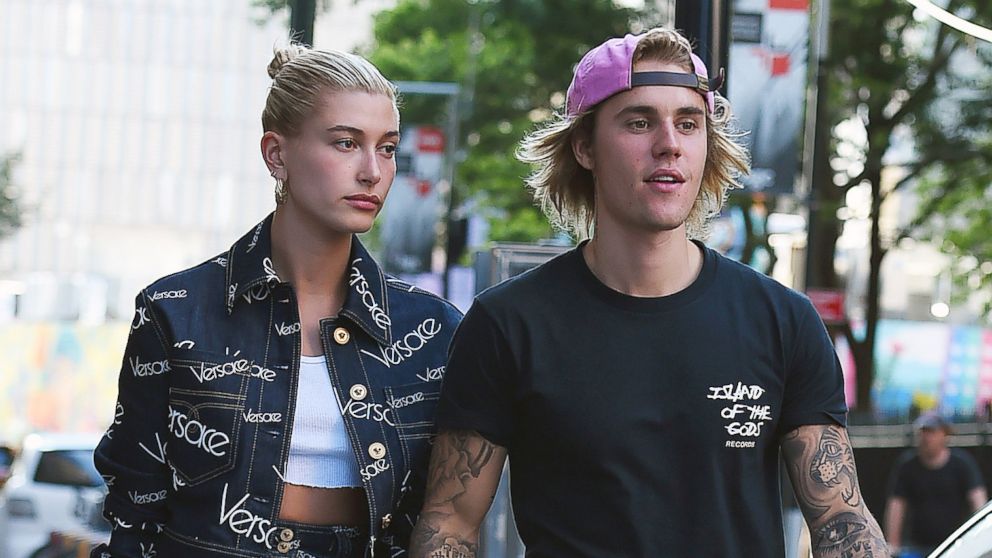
x: 814, y: 384
x: 477, y: 389
x: 972, y: 475
x: 899, y: 481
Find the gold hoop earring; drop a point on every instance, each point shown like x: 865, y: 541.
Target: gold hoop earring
x: 281, y: 191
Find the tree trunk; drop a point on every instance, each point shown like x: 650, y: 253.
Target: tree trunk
x: 863, y: 350
x: 822, y: 242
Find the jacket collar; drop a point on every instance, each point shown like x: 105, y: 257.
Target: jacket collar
x: 249, y: 266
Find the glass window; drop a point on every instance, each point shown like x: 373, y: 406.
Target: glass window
x: 6, y: 457
x: 68, y: 467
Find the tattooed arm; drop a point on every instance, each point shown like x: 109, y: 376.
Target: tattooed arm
x: 821, y: 465
x: 462, y: 480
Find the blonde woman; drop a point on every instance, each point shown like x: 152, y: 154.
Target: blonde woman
x: 276, y: 399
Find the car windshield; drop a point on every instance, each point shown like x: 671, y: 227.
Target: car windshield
x: 68, y: 467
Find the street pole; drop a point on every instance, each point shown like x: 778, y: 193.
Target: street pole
x: 693, y: 19
x: 453, y: 93
x: 817, y: 176
x: 302, y: 14
x: 707, y: 24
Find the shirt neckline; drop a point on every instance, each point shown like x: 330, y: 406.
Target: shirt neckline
x: 639, y: 304
x: 319, y: 359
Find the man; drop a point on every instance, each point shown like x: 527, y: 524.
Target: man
x: 641, y: 384
x: 936, y: 487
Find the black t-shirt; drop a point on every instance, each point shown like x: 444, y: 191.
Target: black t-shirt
x: 936, y: 499
x: 642, y: 426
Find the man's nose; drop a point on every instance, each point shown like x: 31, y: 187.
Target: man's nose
x: 667, y: 142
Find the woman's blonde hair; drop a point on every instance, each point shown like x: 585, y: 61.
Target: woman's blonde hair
x: 565, y: 190
x: 299, y: 74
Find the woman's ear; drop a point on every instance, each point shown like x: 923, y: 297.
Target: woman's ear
x: 582, y: 148
x: 272, y: 153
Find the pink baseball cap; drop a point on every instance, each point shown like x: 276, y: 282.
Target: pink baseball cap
x: 608, y: 69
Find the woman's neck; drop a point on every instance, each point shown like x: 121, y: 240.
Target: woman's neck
x: 316, y: 265
x: 313, y: 262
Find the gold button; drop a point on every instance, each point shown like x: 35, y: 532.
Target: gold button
x: 286, y: 535
x: 341, y: 335
x: 358, y: 392
x: 377, y: 450
x: 386, y: 520
x: 283, y: 547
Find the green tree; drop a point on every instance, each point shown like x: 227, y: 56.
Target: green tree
x: 956, y: 211
x: 10, y: 206
x: 888, y: 75
x: 513, y: 60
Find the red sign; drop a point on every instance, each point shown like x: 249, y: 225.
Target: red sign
x: 430, y: 140
x: 423, y: 187
x: 829, y: 303
x: 788, y: 4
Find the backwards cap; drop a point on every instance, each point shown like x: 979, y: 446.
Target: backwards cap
x: 932, y: 421
x: 608, y: 69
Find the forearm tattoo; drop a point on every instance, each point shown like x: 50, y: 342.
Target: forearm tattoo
x: 833, y: 466
x: 821, y: 464
x: 458, y: 457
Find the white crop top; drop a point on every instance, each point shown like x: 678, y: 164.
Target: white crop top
x: 320, y: 452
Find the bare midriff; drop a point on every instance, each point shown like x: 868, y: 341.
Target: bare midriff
x: 324, y: 506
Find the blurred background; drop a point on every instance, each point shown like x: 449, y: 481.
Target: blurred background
x: 129, y: 135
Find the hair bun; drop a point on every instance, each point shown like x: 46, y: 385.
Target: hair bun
x: 283, y: 55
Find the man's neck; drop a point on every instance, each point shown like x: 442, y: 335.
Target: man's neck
x: 937, y: 460
x: 644, y: 265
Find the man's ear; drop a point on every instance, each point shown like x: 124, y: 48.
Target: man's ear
x: 272, y: 153
x: 582, y: 148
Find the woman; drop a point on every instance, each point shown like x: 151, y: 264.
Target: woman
x: 278, y: 400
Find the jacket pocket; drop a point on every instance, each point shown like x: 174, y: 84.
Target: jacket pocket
x: 204, y: 428
x: 413, y: 407
x: 212, y: 372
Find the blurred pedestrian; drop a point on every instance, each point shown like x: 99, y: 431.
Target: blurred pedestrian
x: 277, y: 400
x: 933, y: 489
x: 642, y: 384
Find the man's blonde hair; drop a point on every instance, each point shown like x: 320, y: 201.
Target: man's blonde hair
x: 565, y: 190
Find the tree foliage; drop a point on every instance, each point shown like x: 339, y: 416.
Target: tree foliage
x: 957, y: 189
x: 513, y: 60
x: 889, y: 76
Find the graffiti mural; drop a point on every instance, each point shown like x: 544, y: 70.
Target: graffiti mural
x: 931, y: 365
x: 58, y: 377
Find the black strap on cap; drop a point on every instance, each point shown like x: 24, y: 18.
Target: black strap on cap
x: 692, y: 81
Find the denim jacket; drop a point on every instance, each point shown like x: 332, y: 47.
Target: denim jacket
x: 195, y: 456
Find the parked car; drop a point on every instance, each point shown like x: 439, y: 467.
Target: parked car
x: 53, y: 487
x: 972, y: 540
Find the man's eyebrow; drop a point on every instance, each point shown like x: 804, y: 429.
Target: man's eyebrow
x: 649, y: 110
x: 638, y: 109
x: 690, y: 111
